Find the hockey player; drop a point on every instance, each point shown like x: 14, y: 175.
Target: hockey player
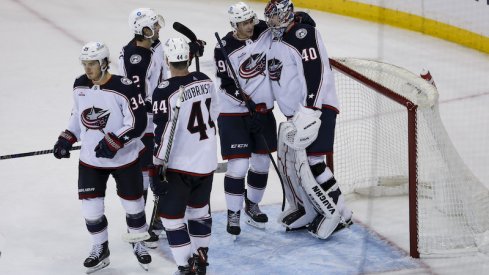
x: 141, y: 60
x: 109, y: 117
x: 303, y: 85
x: 186, y: 146
x: 240, y: 133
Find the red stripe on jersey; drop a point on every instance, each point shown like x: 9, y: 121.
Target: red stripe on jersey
x: 331, y: 108
x: 190, y: 173
x: 237, y: 156
x: 234, y: 114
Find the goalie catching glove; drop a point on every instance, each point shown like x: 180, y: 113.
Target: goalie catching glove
x: 303, y: 129
x: 108, y: 146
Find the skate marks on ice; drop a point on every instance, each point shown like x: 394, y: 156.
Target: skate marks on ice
x: 274, y: 251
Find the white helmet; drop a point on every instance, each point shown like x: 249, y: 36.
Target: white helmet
x: 95, y: 51
x: 176, y: 50
x: 279, y: 14
x: 144, y: 17
x: 241, y: 12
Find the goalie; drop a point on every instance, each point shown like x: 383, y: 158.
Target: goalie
x: 303, y: 85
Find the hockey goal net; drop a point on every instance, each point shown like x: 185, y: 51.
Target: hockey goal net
x: 390, y: 140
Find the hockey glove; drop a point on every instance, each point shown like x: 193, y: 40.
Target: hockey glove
x: 148, y: 105
x: 196, y: 48
x: 258, y: 116
x: 108, y: 146
x: 63, y: 145
x: 304, y: 18
x: 159, y: 186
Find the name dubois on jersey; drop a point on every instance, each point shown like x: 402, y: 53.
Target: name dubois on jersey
x: 195, y: 91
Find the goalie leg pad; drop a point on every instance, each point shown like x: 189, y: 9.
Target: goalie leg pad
x: 323, y: 203
x: 285, y: 162
x: 299, y: 217
x: 296, y: 194
x: 322, y: 227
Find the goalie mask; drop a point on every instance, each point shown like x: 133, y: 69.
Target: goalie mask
x: 241, y: 12
x: 145, y: 18
x: 279, y: 14
x: 96, y: 51
x: 176, y: 50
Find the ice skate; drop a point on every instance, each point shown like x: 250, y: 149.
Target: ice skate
x: 199, y: 261
x: 233, y: 227
x: 255, y: 217
x: 343, y: 225
x: 184, y: 270
x: 98, y: 258
x: 142, y: 255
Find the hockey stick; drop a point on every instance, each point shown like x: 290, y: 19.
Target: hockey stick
x: 221, y: 166
x: 142, y: 236
x: 174, y: 121
x: 252, y: 112
x: 35, y: 153
x: 179, y: 27
x: 138, y: 237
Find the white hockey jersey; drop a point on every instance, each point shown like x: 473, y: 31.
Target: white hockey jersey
x: 299, y: 70
x: 248, y: 59
x: 116, y: 107
x: 194, y: 148
x: 146, y: 68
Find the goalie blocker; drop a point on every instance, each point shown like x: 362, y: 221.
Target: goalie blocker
x: 319, y: 207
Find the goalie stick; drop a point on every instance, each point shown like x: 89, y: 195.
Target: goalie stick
x: 246, y: 100
x: 179, y: 27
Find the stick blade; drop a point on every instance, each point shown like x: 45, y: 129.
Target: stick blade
x: 222, y: 167
x: 135, y: 237
x: 179, y: 27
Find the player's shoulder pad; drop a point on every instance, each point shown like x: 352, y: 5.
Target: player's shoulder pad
x: 120, y: 84
x: 230, y: 43
x: 165, y: 88
x: 301, y: 35
x: 198, y: 76
x: 82, y: 81
x: 135, y: 55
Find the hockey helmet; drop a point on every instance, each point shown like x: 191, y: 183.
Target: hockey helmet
x: 241, y: 12
x: 176, y: 50
x: 95, y: 51
x: 144, y: 17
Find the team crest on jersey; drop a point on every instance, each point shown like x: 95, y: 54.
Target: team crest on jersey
x: 253, y: 66
x: 135, y: 59
x: 95, y: 118
x: 301, y: 33
x: 275, y: 70
x: 163, y: 84
x: 126, y: 81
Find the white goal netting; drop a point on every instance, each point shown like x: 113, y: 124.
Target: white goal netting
x: 372, y: 149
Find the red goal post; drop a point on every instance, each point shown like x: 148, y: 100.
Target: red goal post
x: 390, y: 140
